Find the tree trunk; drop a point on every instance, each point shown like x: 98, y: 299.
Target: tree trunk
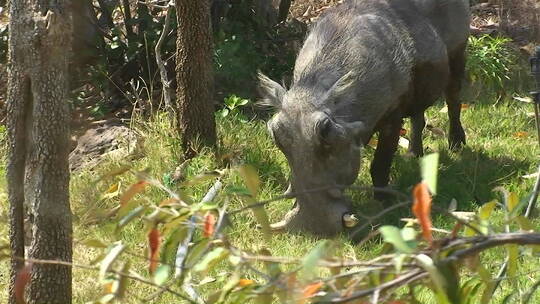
x: 284, y: 6
x: 38, y: 134
x: 194, y: 76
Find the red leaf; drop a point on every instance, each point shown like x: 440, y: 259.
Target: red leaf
x: 130, y: 193
x: 154, y: 241
x: 456, y: 229
x: 402, y: 132
x: 311, y: 289
x: 209, y: 224
x: 422, y: 210
x: 21, y: 280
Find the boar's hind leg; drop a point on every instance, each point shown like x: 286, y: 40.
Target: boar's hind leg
x: 456, y: 136
x: 386, y: 147
x: 418, y: 122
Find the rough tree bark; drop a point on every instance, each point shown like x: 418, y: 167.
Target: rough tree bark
x: 38, y: 134
x: 194, y: 75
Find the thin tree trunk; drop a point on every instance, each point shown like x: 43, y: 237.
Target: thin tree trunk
x: 194, y: 75
x: 38, y: 127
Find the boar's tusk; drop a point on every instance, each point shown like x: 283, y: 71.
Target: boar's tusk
x: 289, y: 192
x: 350, y: 220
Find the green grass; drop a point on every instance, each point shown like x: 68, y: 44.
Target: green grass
x: 494, y: 156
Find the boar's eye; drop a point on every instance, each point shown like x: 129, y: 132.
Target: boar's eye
x: 324, y: 128
x: 275, y: 133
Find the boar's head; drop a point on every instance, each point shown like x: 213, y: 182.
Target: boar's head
x: 322, y: 150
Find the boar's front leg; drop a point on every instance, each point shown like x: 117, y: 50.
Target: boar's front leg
x: 456, y: 136
x: 386, y: 148
x: 418, y: 122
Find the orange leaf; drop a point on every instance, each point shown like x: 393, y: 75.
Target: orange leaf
x: 209, y: 224
x: 169, y: 202
x: 130, y: 193
x: 311, y: 289
x: 402, y: 132
x: 108, y: 287
x: 245, y: 282
x: 456, y: 229
x: 521, y: 134
x: 154, y: 241
x: 21, y: 280
x: 422, y: 210
x: 464, y: 106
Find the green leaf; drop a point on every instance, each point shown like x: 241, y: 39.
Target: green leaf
x: 127, y: 208
x: 113, y: 191
x: 508, y: 297
x: 392, y: 235
x: 168, y: 251
x: 232, y: 283
x: 513, y: 256
x: 487, y: 295
x: 243, y: 102
x: 398, y: 261
x: 310, y: 261
x: 272, y: 268
x: 237, y: 190
x: 251, y: 179
x: 512, y: 201
x: 201, y: 178
x: 486, y: 209
x: 123, y: 281
x: 196, y: 252
x: 429, y: 165
x: 436, y: 277
x: 130, y: 217
x: 162, y: 274
x: 94, y: 243
x: 107, y: 298
x: 525, y: 224
x: 113, y: 254
x: 174, y: 223
x: 528, y: 295
x: 210, y: 259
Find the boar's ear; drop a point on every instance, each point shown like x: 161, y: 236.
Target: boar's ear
x: 271, y: 91
x: 341, y: 86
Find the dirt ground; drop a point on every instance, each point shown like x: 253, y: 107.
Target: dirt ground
x: 518, y: 19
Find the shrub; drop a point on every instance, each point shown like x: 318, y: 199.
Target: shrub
x: 489, y: 61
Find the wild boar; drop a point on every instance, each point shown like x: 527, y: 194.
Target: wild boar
x: 364, y: 67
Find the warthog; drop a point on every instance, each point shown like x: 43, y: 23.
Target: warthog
x: 364, y: 66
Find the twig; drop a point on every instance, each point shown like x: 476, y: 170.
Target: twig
x: 483, y: 243
x: 400, y: 281
x: 534, y: 197
x: 131, y: 275
x: 370, y: 219
x: 315, y: 190
x: 152, y: 4
x: 167, y: 91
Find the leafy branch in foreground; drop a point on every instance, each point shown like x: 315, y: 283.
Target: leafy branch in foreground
x: 188, y: 246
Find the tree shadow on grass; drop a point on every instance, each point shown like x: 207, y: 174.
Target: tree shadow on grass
x: 468, y: 176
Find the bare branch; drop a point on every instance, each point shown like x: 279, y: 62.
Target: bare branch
x: 167, y: 90
x: 482, y: 243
